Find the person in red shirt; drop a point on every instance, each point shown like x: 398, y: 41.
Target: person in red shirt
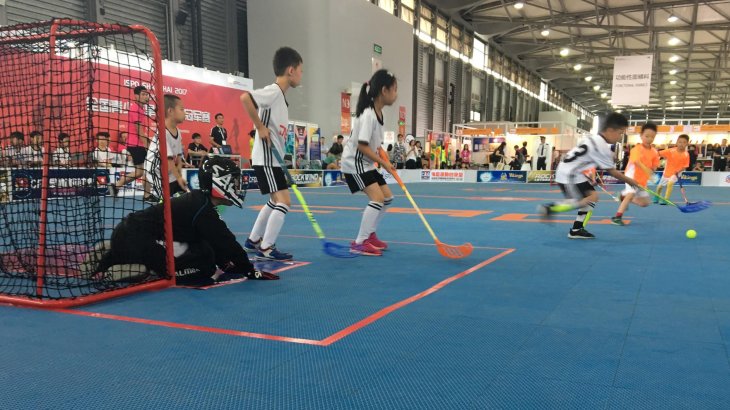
x: 138, y: 138
x: 643, y: 160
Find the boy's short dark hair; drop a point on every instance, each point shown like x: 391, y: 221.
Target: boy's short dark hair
x: 284, y: 58
x: 171, y: 101
x: 684, y: 137
x: 36, y: 134
x: 63, y: 136
x: 218, y: 115
x: 614, y: 120
x: 196, y: 135
x: 17, y: 134
x: 103, y: 134
x: 138, y: 89
x: 340, y: 136
x: 649, y: 126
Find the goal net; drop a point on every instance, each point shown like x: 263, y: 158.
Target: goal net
x: 70, y: 120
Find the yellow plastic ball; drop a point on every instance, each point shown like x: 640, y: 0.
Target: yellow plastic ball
x: 691, y: 234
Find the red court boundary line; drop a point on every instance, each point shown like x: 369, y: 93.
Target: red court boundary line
x: 324, y: 342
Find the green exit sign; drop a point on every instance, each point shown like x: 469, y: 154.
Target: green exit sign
x: 378, y: 48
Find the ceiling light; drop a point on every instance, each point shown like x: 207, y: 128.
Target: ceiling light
x: 673, y: 82
x: 610, y: 101
x: 674, y: 103
x: 545, y: 32
x: 596, y: 87
x: 564, y: 52
x: 674, y: 97
x: 674, y: 41
x: 673, y: 71
x: 519, y: 5
x: 672, y: 18
x: 618, y: 111
x: 577, y: 67
x: 604, y: 95
x: 589, y: 78
x: 674, y: 58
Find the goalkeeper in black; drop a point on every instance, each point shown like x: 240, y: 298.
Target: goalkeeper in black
x: 206, y: 251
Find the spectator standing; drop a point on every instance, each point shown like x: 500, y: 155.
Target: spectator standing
x: 399, y: 153
x: 720, y: 155
x: 32, y: 155
x: 541, y: 152
x: 218, y: 136
x: 102, y: 155
x: 465, y: 157
x: 411, y: 155
x: 12, y: 155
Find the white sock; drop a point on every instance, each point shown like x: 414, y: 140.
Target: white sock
x: 259, y: 227
x: 273, y: 226
x: 369, y: 221
x: 386, y: 203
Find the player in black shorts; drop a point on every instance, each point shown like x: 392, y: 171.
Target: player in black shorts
x: 201, y: 237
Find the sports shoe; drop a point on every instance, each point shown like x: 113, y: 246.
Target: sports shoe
x: 377, y: 243
x: 580, y: 234
x: 152, y: 199
x: 251, y: 246
x: 616, y: 220
x: 365, y: 248
x: 113, y: 190
x: 273, y: 254
x: 544, y: 210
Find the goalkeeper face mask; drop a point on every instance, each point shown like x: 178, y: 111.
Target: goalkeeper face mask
x: 226, y: 185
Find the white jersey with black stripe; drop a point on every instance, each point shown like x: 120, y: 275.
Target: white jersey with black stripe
x: 367, y: 128
x: 592, y: 151
x: 274, y: 113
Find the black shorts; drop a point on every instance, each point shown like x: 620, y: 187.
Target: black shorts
x: 358, y: 182
x: 138, y: 154
x: 577, y: 191
x: 270, y: 179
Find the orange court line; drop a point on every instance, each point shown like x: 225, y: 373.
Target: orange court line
x: 324, y: 342
x: 526, y: 218
x: 456, y: 213
x: 405, y: 302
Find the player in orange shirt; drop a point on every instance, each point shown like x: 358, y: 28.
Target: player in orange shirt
x: 643, y: 160
x: 677, y: 161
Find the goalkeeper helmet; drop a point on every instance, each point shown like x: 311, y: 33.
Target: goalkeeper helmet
x: 221, y: 178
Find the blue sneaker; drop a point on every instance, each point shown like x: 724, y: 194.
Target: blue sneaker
x: 250, y: 246
x: 273, y: 254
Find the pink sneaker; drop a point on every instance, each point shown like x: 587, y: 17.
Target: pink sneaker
x: 365, y: 248
x: 377, y: 243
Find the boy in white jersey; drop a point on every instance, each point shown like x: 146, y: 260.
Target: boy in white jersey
x: 593, y: 151
x: 174, y: 116
x: 268, y: 109
x: 359, y: 157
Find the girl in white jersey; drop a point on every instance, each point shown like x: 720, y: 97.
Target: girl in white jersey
x: 359, y: 157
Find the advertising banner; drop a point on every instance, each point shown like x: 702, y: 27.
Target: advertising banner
x: 501, y: 176
x: 26, y: 183
x: 447, y: 175
x: 539, y: 176
x: 631, y: 79
x: 249, y: 180
x: 314, y: 142
x: 691, y: 178
x: 300, y: 135
x: 306, y: 178
x: 5, y: 186
x: 425, y: 175
x: 345, y: 116
x: 333, y: 178
x: 290, y: 139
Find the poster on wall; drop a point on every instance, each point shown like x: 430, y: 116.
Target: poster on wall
x: 300, y: 131
x: 314, y: 142
x: 447, y: 175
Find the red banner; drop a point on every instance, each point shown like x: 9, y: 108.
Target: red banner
x: 111, y: 95
x: 402, y: 120
x: 345, y: 116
